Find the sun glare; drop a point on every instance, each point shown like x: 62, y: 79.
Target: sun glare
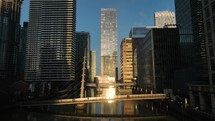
x: 110, y: 93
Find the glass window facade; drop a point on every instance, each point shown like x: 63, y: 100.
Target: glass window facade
x: 209, y: 22
x: 159, y: 59
x: 51, y: 44
x: 109, y: 42
x: 9, y: 37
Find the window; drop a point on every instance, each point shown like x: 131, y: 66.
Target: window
x: 213, y: 21
x: 207, y: 13
x: 209, y: 38
x: 213, y: 78
x: 208, y: 24
x: 205, y: 2
x: 213, y: 7
x: 211, y: 51
x: 212, y: 65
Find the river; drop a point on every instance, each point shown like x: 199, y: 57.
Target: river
x: 104, y: 111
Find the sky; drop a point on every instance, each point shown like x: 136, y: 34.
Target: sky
x: 131, y: 13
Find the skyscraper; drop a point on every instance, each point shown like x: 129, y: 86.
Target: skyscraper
x: 209, y: 27
x: 109, y: 51
x: 9, y: 37
x: 184, y: 23
x: 209, y: 22
x: 189, y: 14
x: 200, y: 54
x: 51, y: 46
x: 158, y: 58
x: 22, y: 51
x: 137, y: 34
x: 164, y: 18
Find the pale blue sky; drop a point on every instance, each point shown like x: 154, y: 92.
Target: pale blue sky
x: 130, y: 13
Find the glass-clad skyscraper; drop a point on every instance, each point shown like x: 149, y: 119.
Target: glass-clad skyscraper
x: 51, y: 50
x: 9, y: 39
x: 82, y: 51
x: 137, y: 34
x: 108, y: 41
x: 9, y: 29
x: 158, y: 59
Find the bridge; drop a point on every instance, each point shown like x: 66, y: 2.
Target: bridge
x: 93, y: 99
x: 63, y: 100
x: 93, y: 85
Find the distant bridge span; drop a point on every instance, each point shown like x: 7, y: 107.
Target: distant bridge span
x: 93, y: 99
x: 93, y: 85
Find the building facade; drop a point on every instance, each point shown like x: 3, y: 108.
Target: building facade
x: 9, y: 38
x: 51, y: 49
x: 92, y: 65
x: 199, y: 55
x: 201, y: 90
x: 184, y: 75
x: 137, y: 34
x: 22, y: 52
x: 164, y: 18
x: 189, y: 14
x: 209, y: 28
x: 158, y: 57
x: 126, y: 60
x: 83, y: 49
x: 109, y: 43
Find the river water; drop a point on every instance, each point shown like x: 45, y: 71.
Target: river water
x: 104, y: 111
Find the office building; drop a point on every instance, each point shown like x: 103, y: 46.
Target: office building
x: 209, y: 28
x: 199, y: 89
x: 83, y: 49
x: 22, y: 52
x: 9, y: 37
x: 158, y: 57
x: 92, y: 65
x: 209, y: 25
x: 51, y: 43
x: 109, y: 48
x: 126, y: 60
x: 200, y: 55
x: 184, y: 75
x: 164, y: 18
x: 137, y: 34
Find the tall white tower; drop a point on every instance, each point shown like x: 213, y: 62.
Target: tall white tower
x: 109, y: 48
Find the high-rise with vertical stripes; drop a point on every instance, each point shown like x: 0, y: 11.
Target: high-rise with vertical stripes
x: 109, y: 48
x: 9, y: 39
x: 51, y: 50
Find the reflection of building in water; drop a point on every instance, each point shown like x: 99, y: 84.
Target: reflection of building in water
x: 128, y: 107
x: 92, y: 108
x: 109, y: 108
x: 105, y: 86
